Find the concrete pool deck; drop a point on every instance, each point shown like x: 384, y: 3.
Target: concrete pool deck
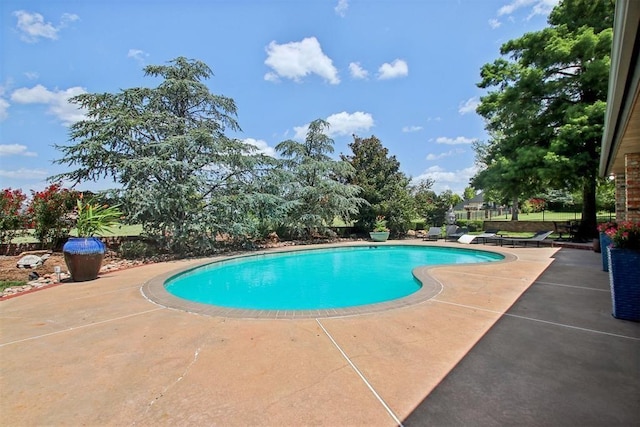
x: 100, y: 353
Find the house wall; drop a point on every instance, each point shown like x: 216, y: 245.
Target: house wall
x: 632, y: 187
x: 621, y: 201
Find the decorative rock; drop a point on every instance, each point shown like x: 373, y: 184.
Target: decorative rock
x: 273, y: 237
x: 31, y: 261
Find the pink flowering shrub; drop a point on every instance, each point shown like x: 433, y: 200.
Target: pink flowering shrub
x: 12, y: 218
x: 624, y: 234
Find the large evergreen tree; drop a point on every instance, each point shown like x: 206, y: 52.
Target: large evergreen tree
x: 181, y: 177
x: 316, y: 189
x: 385, y: 188
x: 545, y: 112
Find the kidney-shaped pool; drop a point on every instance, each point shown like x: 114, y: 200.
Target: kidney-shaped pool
x: 318, y: 278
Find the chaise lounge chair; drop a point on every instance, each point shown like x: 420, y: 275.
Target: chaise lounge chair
x: 484, y: 237
x: 434, y: 233
x: 454, y: 232
x: 537, y: 238
x: 488, y: 235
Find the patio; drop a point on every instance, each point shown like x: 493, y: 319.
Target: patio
x: 527, y: 342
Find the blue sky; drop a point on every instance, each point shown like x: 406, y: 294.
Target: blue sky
x: 402, y: 70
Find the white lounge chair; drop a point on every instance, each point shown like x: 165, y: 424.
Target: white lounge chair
x: 480, y: 238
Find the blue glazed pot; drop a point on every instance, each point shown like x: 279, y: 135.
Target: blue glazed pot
x: 605, y: 242
x: 624, y: 278
x: 83, y: 256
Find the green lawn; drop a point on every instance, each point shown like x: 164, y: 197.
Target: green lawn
x: 4, y: 284
x: 121, y: 230
x: 551, y: 216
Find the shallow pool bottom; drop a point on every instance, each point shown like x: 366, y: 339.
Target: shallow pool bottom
x: 422, y: 286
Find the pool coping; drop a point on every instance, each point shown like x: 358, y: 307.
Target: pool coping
x: 154, y: 289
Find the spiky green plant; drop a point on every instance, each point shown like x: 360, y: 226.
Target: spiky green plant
x: 95, y: 218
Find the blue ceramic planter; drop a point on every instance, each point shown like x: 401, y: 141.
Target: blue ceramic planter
x: 605, y: 242
x: 624, y: 278
x: 83, y: 256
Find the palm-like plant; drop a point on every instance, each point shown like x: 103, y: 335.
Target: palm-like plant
x: 96, y: 219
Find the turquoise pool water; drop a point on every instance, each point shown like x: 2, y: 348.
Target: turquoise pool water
x: 316, y: 279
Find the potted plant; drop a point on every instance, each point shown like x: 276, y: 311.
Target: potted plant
x: 84, y: 254
x: 624, y: 269
x: 380, y: 231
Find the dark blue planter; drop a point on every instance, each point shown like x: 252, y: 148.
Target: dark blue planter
x: 605, y: 242
x: 83, y: 256
x: 624, y: 277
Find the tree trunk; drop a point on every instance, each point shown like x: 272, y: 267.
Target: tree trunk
x: 514, y: 209
x: 588, y: 226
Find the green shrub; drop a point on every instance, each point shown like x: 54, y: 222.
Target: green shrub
x: 137, y: 249
x: 419, y: 225
x: 472, y: 225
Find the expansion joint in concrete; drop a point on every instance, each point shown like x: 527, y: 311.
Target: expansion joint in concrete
x: 361, y: 375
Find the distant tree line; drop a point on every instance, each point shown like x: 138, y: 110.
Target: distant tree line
x: 187, y: 183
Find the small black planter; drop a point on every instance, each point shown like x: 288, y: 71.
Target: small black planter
x: 83, y: 256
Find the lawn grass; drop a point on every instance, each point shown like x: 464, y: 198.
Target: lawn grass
x: 119, y: 230
x: 554, y: 216
x: 4, y: 284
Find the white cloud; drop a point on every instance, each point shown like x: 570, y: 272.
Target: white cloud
x: 68, y: 17
x: 408, y: 129
x: 4, y: 106
x: 357, y: 72
x: 538, y: 7
x: 32, y: 26
x: 455, y: 181
x: 454, y: 141
x: 543, y: 7
x: 31, y: 75
x: 469, y: 106
x: 138, y: 55
x: 262, y: 146
x: 398, y: 68
x: 15, y: 150
x: 56, y: 100
x: 341, y: 7
x: 296, y: 60
x: 271, y: 77
x: 23, y: 173
x: 494, y: 23
x: 340, y: 124
x: 449, y: 153
x: 346, y: 124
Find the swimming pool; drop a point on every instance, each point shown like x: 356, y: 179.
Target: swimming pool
x: 316, y: 279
